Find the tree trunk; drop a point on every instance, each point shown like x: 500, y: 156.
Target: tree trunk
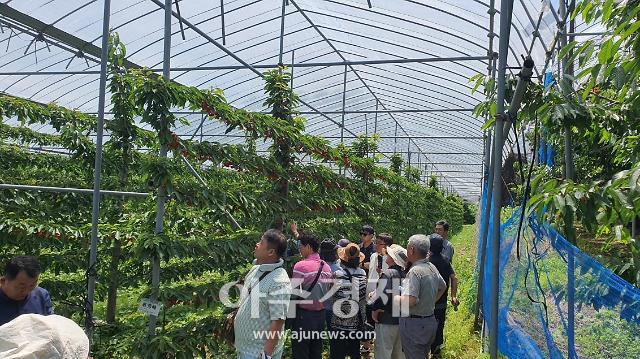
x: 114, y: 276
x: 116, y: 249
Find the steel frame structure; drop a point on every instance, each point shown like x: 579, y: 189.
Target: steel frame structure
x: 400, y: 107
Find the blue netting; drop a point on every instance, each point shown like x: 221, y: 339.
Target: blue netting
x: 607, y: 308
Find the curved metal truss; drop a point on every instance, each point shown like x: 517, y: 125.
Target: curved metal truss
x: 397, y: 68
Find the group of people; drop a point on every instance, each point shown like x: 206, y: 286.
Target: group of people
x: 356, y: 296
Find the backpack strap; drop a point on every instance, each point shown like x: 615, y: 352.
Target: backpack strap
x: 315, y: 281
x: 262, y: 276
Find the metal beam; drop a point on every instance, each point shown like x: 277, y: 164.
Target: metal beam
x: 503, y: 51
x: 588, y: 33
x: 350, y: 65
x: 86, y: 191
x: 281, y: 33
x: 224, y: 38
x: 380, y: 137
x: 258, y: 66
x: 348, y: 112
x: 567, y: 69
x: 344, y: 102
x: 95, y: 51
x: 428, y: 110
x: 245, y: 64
x: 97, y: 172
x: 55, y: 33
x: 337, y: 63
x: 162, y: 190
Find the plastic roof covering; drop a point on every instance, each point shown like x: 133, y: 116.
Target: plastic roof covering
x: 315, y: 31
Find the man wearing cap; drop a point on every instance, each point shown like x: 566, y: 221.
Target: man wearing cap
x: 388, y: 343
x: 449, y: 276
x: 19, y: 291
x: 442, y: 229
x: 421, y: 288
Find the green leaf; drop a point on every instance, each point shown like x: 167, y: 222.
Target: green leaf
x: 605, y: 51
x: 607, y: 10
x: 559, y: 201
x: 620, y: 77
x: 566, y: 49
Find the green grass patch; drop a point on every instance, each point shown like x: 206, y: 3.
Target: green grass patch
x: 461, y: 341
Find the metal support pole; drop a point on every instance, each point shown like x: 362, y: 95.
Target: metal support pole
x: 344, y: 102
x: 569, y: 174
x: 484, y: 231
x: 567, y: 69
x: 280, y: 63
x: 506, y: 8
x: 95, y: 214
x: 366, y: 126
x: 395, y: 141
x: 292, y: 63
x: 224, y: 39
x: 375, y: 120
x: 162, y: 191
x: 202, y: 128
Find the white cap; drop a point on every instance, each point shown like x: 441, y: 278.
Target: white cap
x: 39, y: 336
x: 398, y: 254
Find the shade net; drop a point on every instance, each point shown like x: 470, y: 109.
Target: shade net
x: 535, y: 294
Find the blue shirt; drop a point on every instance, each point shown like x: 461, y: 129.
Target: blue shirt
x: 37, y: 302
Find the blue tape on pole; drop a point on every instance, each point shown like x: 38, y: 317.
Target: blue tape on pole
x: 551, y: 153
x: 548, y: 79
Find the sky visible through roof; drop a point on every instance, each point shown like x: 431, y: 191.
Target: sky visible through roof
x: 423, y: 107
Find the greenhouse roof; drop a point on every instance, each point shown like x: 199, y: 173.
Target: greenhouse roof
x: 399, y: 68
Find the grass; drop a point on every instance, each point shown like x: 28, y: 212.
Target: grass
x: 461, y: 342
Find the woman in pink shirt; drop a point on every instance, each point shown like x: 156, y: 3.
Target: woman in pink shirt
x: 311, y: 280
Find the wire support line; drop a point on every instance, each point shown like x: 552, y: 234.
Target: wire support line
x: 85, y: 191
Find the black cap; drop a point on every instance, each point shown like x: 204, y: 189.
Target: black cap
x: 367, y: 229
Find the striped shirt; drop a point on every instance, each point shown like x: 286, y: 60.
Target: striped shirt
x: 304, y: 272
x: 268, y: 301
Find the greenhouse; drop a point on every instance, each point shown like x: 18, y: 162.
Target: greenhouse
x: 149, y: 147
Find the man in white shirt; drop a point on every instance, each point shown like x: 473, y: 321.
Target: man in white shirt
x: 377, y: 262
x: 264, y: 301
